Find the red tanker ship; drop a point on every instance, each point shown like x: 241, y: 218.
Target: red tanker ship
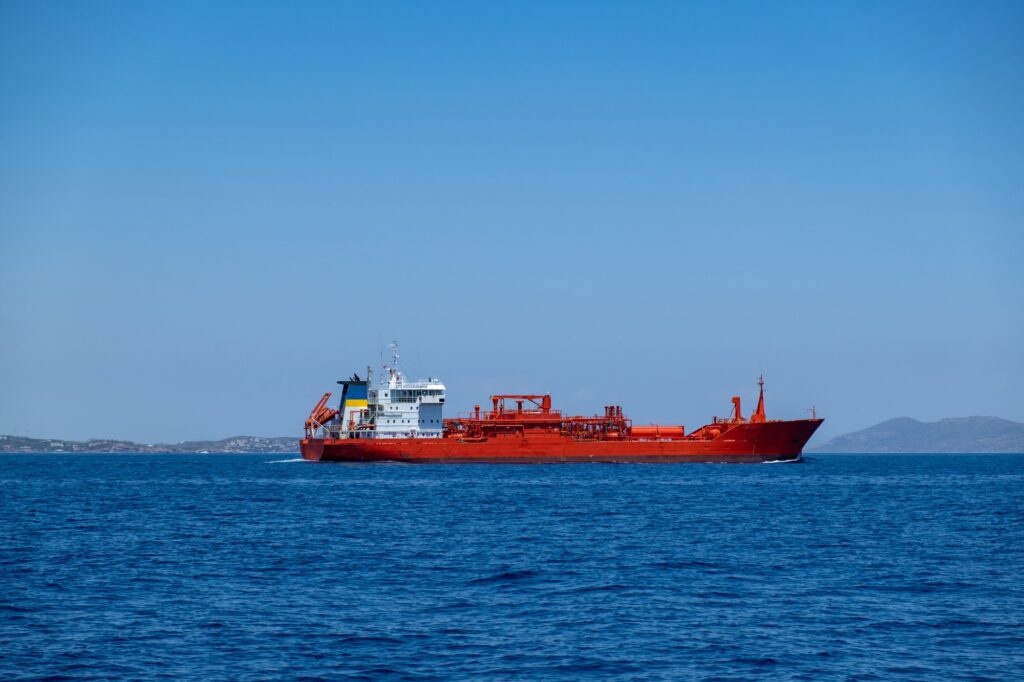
x: 400, y: 421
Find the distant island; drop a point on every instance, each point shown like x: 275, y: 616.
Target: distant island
x: 954, y: 434
x: 901, y: 435
x: 237, y: 444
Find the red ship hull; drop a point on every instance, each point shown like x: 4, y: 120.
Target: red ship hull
x: 749, y: 442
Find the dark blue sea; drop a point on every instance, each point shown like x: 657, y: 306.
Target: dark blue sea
x: 255, y: 567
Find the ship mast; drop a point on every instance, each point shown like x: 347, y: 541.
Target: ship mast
x: 393, y: 374
x: 758, y: 417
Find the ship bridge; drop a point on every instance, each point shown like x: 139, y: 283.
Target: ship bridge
x: 395, y: 408
x: 400, y: 408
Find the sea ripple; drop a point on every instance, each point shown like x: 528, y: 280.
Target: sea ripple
x: 253, y: 567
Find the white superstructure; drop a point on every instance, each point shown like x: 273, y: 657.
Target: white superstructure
x: 396, y: 408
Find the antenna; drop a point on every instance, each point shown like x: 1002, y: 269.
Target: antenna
x: 393, y: 372
x: 394, y: 354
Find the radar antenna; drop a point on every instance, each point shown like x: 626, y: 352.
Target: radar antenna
x: 394, y: 354
x: 392, y: 371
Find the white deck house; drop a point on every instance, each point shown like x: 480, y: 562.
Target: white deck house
x: 398, y: 408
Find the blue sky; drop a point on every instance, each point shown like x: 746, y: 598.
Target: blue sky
x: 211, y: 211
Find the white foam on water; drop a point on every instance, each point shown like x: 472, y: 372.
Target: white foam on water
x: 287, y: 461
x: 785, y: 461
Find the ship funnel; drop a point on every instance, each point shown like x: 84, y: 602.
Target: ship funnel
x: 354, y: 395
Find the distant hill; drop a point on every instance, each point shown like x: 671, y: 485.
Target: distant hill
x: 235, y: 444
x: 954, y: 434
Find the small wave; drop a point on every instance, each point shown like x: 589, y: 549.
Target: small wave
x: 368, y: 639
x: 615, y: 587
x: 684, y: 564
x: 759, y: 662
x: 504, y: 577
x: 287, y: 461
